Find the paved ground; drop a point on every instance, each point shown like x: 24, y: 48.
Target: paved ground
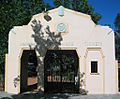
x: 4, y: 95
x: 56, y: 96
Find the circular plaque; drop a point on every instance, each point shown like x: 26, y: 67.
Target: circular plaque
x: 61, y: 27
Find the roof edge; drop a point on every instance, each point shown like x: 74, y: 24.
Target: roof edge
x: 66, y: 9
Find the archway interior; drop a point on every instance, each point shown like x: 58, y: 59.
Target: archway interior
x: 28, y: 76
x: 60, y: 71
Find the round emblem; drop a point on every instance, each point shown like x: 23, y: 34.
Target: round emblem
x: 61, y: 27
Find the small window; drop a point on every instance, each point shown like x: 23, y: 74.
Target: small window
x: 94, y: 67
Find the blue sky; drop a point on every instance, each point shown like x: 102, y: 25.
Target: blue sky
x: 107, y: 8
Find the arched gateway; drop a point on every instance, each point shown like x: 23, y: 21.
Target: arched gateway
x: 59, y: 71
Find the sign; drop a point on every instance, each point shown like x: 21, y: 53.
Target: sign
x: 61, y: 27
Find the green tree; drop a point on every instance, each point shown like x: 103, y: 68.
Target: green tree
x: 117, y: 35
x: 80, y: 6
x: 10, y: 15
x: 15, y: 13
x: 117, y: 22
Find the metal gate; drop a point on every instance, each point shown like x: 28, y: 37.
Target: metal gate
x: 61, y: 71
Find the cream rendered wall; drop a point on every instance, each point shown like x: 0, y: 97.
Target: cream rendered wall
x: 18, y: 37
x: 110, y: 85
x: 81, y: 34
x: 106, y: 36
x: 94, y: 81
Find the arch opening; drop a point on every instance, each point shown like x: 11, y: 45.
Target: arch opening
x: 28, y: 73
x: 61, y: 71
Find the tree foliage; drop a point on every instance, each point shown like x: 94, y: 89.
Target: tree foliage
x: 15, y: 13
x: 117, y: 35
x: 9, y: 17
x: 80, y: 6
x: 117, y: 22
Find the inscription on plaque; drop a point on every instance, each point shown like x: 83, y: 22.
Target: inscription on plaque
x: 93, y: 43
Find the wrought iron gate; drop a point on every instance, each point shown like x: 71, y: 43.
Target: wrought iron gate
x: 61, y: 71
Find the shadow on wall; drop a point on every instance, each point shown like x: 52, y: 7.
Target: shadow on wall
x: 44, y: 40
x: 81, y: 82
x: 48, y: 40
